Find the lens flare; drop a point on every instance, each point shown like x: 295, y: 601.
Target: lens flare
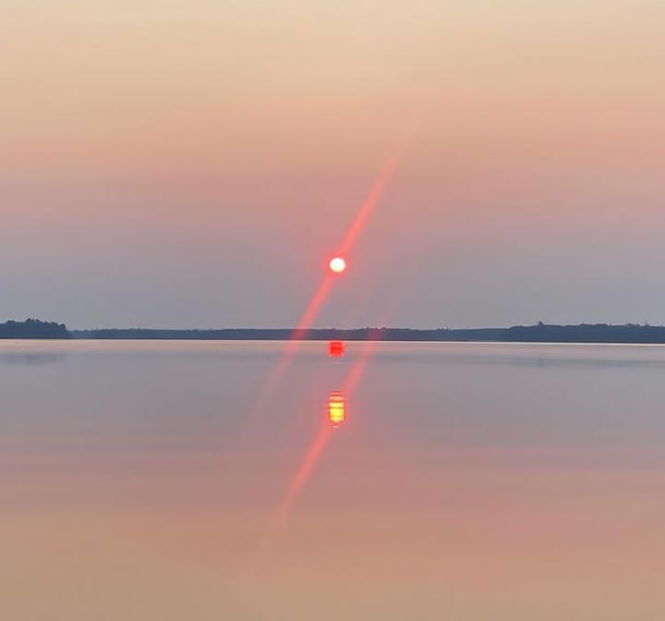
x: 338, y: 265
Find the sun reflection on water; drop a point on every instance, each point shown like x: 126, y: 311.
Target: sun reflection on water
x: 336, y: 408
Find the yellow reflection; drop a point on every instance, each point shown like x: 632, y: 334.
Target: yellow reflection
x: 336, y: 408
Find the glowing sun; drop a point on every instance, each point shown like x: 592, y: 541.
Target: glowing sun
x: 338, y: 265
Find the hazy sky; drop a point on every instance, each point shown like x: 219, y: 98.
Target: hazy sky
x: 194, y: 163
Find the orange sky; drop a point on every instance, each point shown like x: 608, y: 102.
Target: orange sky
x: 174, y: 164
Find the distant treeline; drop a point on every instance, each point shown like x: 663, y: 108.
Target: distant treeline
x: 33, y: 329
x: 540, y: 333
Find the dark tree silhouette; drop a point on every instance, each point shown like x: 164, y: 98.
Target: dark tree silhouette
x: 540, y: 333
x: 33, y: 329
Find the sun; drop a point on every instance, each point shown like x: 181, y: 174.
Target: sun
x: 338, y: 265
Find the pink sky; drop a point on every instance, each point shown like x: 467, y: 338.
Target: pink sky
x: 192, y: 164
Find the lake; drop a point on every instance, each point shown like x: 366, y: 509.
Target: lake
x: 200, y: 481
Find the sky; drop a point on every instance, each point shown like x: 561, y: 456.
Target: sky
x: 195, y: 163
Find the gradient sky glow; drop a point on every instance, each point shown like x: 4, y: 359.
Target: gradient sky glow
x: 194, y: 164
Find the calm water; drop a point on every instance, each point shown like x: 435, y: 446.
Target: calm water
x: 159, y: 481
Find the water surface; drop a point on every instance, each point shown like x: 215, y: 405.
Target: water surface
x: 171, y: 480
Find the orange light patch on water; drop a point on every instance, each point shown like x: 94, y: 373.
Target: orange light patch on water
x: 336, y: 408
x: 336, y: 349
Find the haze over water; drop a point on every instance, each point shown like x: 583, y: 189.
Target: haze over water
x: 140, y: 481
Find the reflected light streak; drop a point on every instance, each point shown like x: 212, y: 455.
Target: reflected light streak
x: 366, y: 208
x: 336, y: 417
x: 297, y: 335
x: 369, y: 203
x: 358, y: 369
x: 303, y: 473
x: 312, y: 309
x: 321, y: 294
